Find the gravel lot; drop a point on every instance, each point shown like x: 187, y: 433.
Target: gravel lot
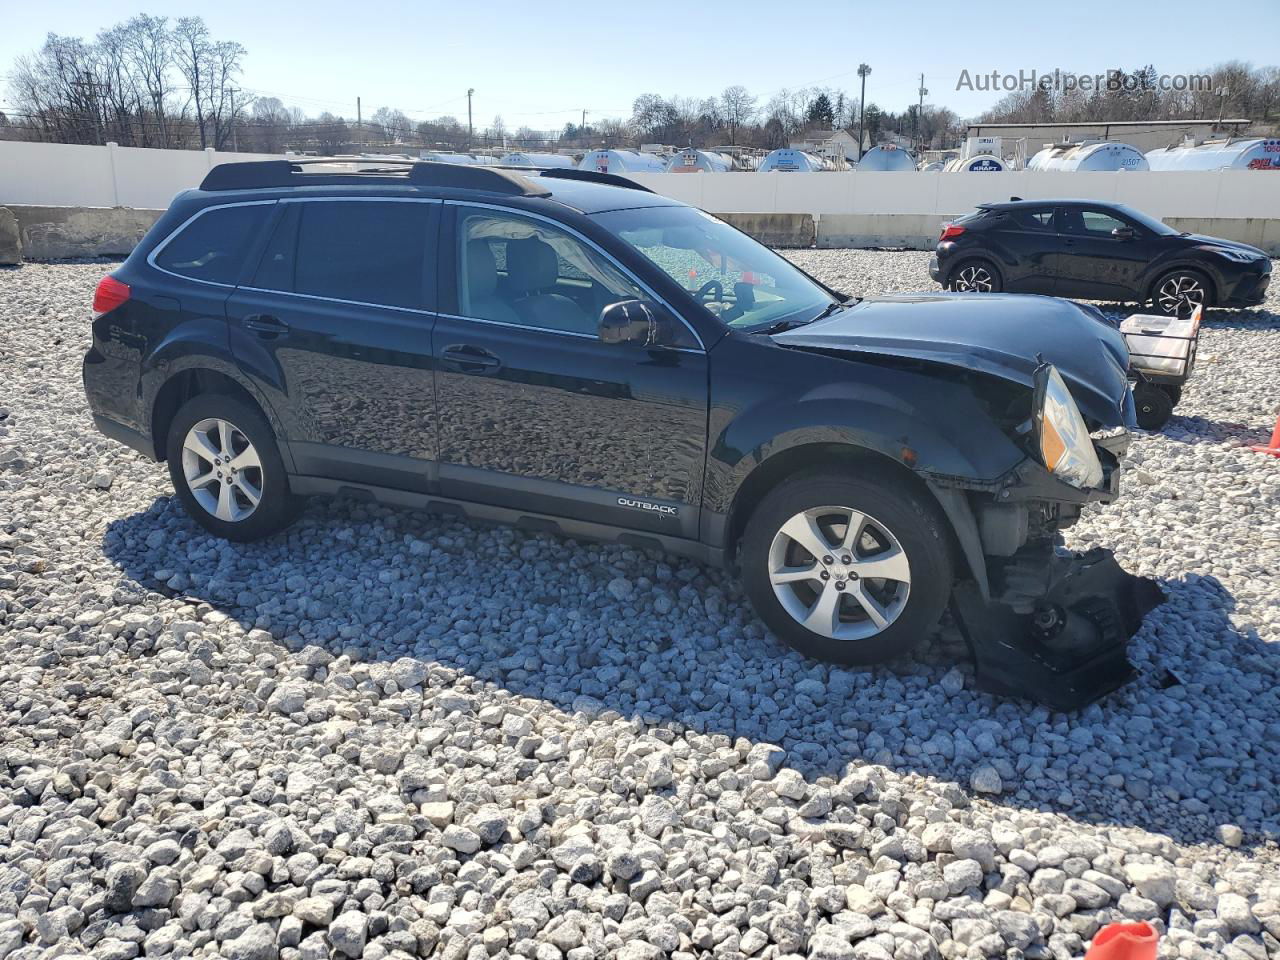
x: 391, y: 734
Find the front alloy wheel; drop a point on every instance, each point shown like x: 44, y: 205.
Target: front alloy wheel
x: 839, y: 573
x: 852, y: 565
x: 1179, y: 294
x: 222, y: 469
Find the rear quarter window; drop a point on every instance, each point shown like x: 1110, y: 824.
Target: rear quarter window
x: 213, y: 246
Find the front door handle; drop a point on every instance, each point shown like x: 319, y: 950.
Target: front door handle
x: 466, y: 358
x: 265, y: 325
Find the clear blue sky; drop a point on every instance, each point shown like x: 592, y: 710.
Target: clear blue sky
x: 540, y: 63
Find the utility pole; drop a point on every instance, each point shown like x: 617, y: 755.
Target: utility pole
x: 584, y: 119
x: 919, y: 113
x: 359, y: 123
x: 233, y: 91
x: 863, y: 70
x: 470, y: 131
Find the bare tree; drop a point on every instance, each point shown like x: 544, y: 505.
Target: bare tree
x: 738, y: 107
x: 149, y: 47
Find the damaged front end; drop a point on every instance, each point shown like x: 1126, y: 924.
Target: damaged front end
x: 1040, y: 622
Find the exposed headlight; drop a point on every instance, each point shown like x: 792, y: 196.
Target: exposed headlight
x: 1060, y: 432
x: 1236, y: 256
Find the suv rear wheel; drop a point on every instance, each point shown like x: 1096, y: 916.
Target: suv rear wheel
x: 975, y: 276
x: 855, y: 570
x: 226, y: 468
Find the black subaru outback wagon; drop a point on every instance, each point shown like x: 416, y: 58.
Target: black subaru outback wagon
x: 572, y: 352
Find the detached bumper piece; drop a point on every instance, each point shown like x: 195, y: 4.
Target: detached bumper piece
x: 1056, y: 628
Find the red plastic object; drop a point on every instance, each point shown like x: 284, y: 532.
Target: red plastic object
x: 110, y: 294
x: 1273, y: 447
x: 950, y: 231
x: 1124, y: 941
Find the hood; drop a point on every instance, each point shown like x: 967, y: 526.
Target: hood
x: 1004, y: 335
x: 1202, y: 240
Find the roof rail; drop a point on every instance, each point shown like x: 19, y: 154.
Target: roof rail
x: 258, y: 174
x: 591, y: 176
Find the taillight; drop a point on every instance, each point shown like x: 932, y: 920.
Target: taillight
x: 110, y: 294
x: 950, y: 231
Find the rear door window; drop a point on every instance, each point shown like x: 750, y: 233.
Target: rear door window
x: 213, y: 246
x: 363, y: 251
x: 1041, y: 221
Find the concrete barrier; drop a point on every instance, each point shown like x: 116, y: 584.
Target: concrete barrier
x: 57, y: 233
x: 912, y: 231
x: 775, y: 229
x: 10, y: 238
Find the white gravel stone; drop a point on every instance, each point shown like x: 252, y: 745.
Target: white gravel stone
x: 386, y: 733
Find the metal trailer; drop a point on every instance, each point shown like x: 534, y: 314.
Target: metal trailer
x: 691, y: 160
x: 1162, y: 354
x: 541, y: 161
x: 886, y: 157
x: 622, y: 161
x: 984, y: 163
x: 785, y: 160
x: 1255, y: 154
x: 1089, y: 156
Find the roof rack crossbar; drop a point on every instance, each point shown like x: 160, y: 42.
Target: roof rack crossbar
x: 592, y: 176
x: 259, y: 174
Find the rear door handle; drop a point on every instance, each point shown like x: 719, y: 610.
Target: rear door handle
x: 466, y: 358
x: 264, y: 324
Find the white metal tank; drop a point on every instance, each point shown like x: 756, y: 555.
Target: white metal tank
x: 791, y: 161
x: 886, y: 157
x: 1098, y: 155
x: 622, y: 161
x: 1256, y: 154
x: 543, y: 161
x: 690, y: 160
x: 978, y: 164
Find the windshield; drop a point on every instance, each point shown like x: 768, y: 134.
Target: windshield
x: 1151, y: 223
x: 733, y: 277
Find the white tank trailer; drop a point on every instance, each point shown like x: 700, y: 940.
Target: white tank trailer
x: 622, y: 161
x: 979, y: 164
x: 786, y: 160
x: 1089, y: 156
x: 691, y: 160
x: 886, y: 157
x: 543, y: 161
x: 1256, y: 154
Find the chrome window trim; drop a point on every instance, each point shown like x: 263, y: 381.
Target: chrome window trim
x: 354, y: 303
x: 594, y: 246
x: 173, y: 234
x: 564, y: 333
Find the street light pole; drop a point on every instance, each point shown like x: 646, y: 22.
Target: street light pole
x: 470, y: 132
x: 919, y: 111
x: 863, y: 70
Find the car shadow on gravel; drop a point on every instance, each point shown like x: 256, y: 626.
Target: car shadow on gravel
x: 1172, y: 752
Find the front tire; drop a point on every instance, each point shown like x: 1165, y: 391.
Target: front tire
x: 850, y: 569
x: 975, y: 276
x: 1181, y: 291
x: 226, y: 468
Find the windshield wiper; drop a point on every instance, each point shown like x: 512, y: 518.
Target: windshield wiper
x: 792, y: 322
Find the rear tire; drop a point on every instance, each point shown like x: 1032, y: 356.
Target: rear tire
x: 848, y: 617
x: 1154, y: 406
x: 975, y: 276
x: 1174, y: 392
x: 226, y: 468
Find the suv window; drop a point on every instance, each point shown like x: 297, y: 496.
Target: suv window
x: 1039, y: 220
x: 527, y: 272
x: 212, y: 247
x: 359, y: 250
x: 1094, y: 223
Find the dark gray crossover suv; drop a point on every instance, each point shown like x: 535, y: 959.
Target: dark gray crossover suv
x: 571, y: 352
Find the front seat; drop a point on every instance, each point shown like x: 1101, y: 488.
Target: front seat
x: 532, y: 271
x: 482, y: 284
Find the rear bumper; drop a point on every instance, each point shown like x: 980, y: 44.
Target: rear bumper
x: 935, y: 270
x: 127, y: 435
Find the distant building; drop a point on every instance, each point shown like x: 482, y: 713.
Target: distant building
x: 840, y: 147
x: 1144, y: 134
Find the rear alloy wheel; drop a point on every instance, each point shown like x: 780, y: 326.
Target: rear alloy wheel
x: 844, y: 569
x: 974, y: 277
x: 1180, y: 292
x: 226, y: 468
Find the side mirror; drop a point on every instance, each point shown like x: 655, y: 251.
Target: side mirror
x: 634, y: 321
x: 1123, y: 233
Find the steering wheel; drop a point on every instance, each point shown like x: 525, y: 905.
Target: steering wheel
x: 708, y: 288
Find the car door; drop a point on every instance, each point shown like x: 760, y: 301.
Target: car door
x: 536, y: 412
x: 335, y: 326
x: 1031, y: 236
x: 1094, y: 262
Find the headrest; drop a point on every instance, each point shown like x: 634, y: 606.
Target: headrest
x: 482, y: 269
x: 531, y: 264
